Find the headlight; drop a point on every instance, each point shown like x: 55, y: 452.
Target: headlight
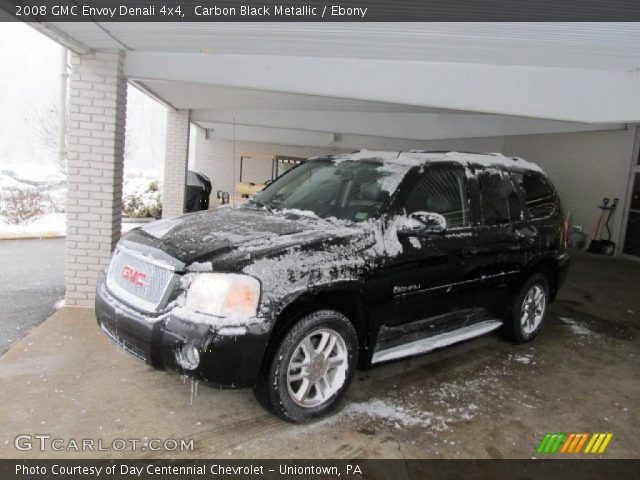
x: 223, y: 295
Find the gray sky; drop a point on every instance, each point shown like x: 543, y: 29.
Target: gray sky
x: 29, y: 75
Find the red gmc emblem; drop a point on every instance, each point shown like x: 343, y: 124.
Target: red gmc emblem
x: 133, y: 275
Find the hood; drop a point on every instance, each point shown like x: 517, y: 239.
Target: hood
x: 236, y: 232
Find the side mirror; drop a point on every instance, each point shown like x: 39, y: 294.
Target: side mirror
x: 423, y: 222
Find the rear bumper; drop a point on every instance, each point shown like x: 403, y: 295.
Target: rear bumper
x: 227, y: 361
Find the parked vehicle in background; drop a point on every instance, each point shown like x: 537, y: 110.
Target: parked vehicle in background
x: 198, y: 192
x: 345, y: 261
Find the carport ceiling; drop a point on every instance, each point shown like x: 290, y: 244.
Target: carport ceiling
x: 578, y: 45
x: 422, y: 81
x: 215, y: 107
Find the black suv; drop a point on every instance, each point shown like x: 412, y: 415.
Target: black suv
x: 343, y: 261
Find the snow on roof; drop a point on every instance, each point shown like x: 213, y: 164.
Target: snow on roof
x: 369, y: 155
x: 417, y: 158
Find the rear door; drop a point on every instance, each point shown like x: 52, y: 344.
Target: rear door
x: 543, y: 212
x: 503, y: 242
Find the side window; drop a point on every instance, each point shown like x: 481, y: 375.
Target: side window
x: 498, y: 199
x: 441, y: 190
x: 538, y: 194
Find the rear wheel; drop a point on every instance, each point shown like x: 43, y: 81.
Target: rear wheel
x: 310, y: 368
x: 529, y: 310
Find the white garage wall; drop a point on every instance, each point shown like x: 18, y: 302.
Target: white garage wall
x: 585, y: 167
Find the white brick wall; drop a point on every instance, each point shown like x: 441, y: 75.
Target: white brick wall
x: 175, y: 163
x: 95, y: 146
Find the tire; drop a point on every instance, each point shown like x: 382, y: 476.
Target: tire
x: 298, y: 385
x: 533, y: 301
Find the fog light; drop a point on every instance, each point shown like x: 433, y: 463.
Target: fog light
x: 188, y: 356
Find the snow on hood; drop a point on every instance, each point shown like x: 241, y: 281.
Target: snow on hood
x: 242, y: 231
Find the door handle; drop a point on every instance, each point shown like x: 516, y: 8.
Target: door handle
x: 469, y: 252
x: 525, y: 239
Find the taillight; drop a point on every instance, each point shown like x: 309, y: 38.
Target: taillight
x: 565, y: 232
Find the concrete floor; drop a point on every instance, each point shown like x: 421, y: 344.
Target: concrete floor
x: 484, y: 399
x: 32, y: 280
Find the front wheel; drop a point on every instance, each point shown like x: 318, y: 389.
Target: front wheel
x: 529, y: 310
x: 311, y: 367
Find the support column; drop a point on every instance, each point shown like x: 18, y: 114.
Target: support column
x: 176, y: 160
x: 95, y: 149
x: 198, y: 145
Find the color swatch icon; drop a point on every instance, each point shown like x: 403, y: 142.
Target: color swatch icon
x: 569, y: 443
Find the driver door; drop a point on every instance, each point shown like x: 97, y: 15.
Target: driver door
x: 429, y: 279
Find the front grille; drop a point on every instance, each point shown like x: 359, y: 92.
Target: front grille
x: 123, y: 344
x: 139, y: 281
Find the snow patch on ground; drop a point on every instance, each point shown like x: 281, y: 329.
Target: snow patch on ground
x: 388, y: 412
x: 448, y: 407
x: 575, y: 327
x: 49, y: 224
x: 525, y: 359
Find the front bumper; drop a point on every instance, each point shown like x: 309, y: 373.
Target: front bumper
x: 226, y: 361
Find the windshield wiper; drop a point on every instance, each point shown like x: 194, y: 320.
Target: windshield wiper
x: 260, y: 204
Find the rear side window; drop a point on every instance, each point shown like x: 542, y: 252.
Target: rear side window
x: 538, y: 194
x: 441, y: 190
x: 494, y: 194
x: 499, y: 202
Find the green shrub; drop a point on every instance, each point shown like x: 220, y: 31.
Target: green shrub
x: 147, y: 204
x: 22, y: 205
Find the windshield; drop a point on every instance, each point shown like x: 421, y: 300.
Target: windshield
x: 349, y: 190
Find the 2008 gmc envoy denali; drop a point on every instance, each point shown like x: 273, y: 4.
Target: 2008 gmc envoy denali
x: 343, y: 261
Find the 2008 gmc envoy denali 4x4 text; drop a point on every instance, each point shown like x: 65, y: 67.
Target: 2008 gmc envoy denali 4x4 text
x: 343, y: 261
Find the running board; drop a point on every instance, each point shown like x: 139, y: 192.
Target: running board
x: 437, y: 341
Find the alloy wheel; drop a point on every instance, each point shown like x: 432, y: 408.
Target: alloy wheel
x: 533, y: 309
x: 317, y: 369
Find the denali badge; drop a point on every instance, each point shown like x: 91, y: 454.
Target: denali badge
x: 133, y: 275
